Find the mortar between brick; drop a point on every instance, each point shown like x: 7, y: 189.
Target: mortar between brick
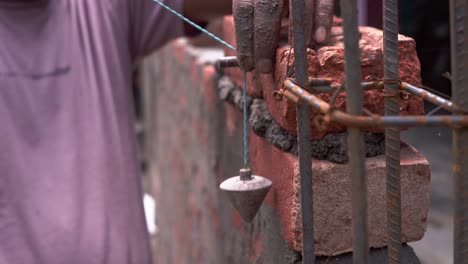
x: 332, y: 147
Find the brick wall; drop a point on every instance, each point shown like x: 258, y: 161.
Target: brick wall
x: 194, y: 142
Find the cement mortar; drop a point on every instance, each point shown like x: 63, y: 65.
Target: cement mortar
x: 332, y: 147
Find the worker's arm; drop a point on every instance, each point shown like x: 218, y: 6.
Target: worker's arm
x: 258, y: 25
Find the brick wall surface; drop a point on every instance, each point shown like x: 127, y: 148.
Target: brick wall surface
x: 194, y: 142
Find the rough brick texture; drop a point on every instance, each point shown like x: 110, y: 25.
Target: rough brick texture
x: 332, y: 197
x: 194, y: 145
x: 328, y: 62
x: 195, y: 142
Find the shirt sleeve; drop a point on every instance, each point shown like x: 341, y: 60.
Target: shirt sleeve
x: 151, y: 25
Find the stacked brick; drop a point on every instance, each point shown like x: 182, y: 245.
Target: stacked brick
x: 331, y: 180
x: 196, y: 143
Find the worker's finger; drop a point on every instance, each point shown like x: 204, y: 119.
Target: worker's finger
x: 243, y: 12
x: 267, y: 24
x: 309, y: 9
x: 323, y: 19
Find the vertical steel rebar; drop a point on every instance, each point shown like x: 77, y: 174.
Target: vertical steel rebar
x: 392, y: 134
x: 303, y: 131
x: 356, y: 152
x: 459, y: 48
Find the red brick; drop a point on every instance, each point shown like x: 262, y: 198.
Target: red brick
x: 194, y: 70
x: 328, y: 62
x: 231, y: 119
x: 278, y: 167
x: 209, y: 89
x: 332, y: 197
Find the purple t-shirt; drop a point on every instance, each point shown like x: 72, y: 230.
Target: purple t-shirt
x: 69, y: 184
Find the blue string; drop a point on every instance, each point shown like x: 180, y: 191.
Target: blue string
x: 244, y: 96
x: 193, y: 24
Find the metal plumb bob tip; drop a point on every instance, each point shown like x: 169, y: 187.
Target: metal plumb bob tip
x: 246, y: 192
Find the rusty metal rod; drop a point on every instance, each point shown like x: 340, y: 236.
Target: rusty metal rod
x: 280, y: 94
x: 430, y: 97
x: 319, y: 85
x: 404, y: 86
x: 303, y: 131
x: 365, y: 86
x: 319, y: 82
x: 392, y: 134
x: 459, y: 49
x: 398, y: 121
x: 356, y: 149
x: 373, y: 121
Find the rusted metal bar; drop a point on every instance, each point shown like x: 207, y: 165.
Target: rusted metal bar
x: 280, y: 94
x: 227, y: 62
x: 365, y: 86
x: 373, y: 121
x: 320, y: 85
x: 303, y: 132
x: 430, y: 97
x: 397, y: 121
x: 459, y: 49
x: 319, y: 82
x: 356, y: 151
x: 392, y: 134
x: 420, y: 92
x: 307, y: 97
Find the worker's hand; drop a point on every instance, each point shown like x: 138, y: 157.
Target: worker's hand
x: 258, y: 25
